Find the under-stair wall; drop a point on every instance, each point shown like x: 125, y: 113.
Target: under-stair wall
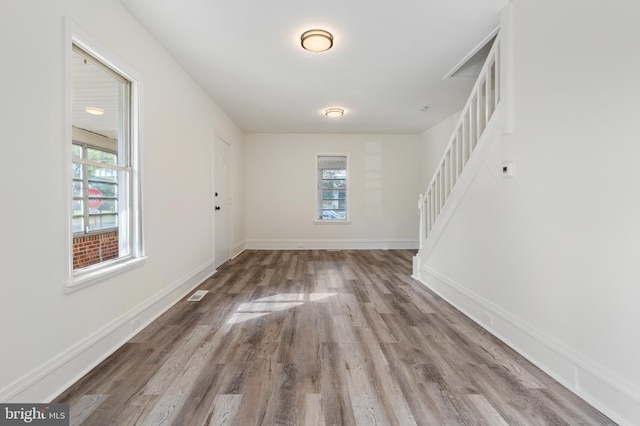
x: 472, y: 134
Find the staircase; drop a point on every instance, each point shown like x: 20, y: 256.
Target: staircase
x: 456, y: 167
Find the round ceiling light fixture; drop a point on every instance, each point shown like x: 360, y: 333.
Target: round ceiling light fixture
x: 334, y: 112
x: 316, y: 40
x: 94, y: 110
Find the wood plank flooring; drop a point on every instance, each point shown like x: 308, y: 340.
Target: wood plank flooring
x: 319, y: 338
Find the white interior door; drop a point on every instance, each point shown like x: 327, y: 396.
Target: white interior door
x: 221, y: 201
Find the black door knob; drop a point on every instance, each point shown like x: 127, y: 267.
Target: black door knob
x: 217, y: 207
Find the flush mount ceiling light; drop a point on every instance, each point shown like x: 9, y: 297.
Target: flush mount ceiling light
x: 334, y: 112
x: 94, y: 110
x: 316, y: 40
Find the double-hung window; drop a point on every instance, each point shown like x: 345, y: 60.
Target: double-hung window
x: 332, y: 177
x: 95, y: 188
x: 105, y: 195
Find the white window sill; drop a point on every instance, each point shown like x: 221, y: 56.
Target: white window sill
x: 332, y: 222
x: 86, y: 278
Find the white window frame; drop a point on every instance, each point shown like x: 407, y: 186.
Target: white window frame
x: 318, y: 189
x: 133, y: 239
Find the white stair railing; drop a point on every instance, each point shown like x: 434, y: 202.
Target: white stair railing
x: 477, y: 112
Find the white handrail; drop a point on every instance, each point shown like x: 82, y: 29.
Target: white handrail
x: 483, y: 100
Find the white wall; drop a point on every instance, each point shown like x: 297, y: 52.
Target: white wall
x: 549, y: 258
x: 49, y: 338
x: 280, y: 191
x: 239, y: 208
x: 433, y: 143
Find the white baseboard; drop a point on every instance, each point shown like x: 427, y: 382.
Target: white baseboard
x: 238, y: 249
x: 611, y: 394
x: 351, y: 244
x: 50, y: 379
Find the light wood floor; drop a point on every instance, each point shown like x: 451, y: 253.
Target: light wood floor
x: 319, y: 338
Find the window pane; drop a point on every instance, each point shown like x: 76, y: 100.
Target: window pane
x: 77, y: 188
x: 76, y: 205
x: 328, y: 204
x: 104, y: 189
x: 102, y: 221
x: 101, y: 156
x: 334, y: 214
x: 333, y: 205
x: 76, y: 151
x: 334, y: 194
x: 109, y: 206
x: 332, y: 187
x: 77, y: 224
x: 337, y: 183
x: 334, y: 174
x: 102, y: 174
x: 98, y: 202
x: 76, y: 171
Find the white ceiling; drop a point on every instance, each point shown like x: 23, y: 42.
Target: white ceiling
x: 92, y: 86
x: 388, y: 59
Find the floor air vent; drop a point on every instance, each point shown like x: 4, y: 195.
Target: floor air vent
x: 197, y: 296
